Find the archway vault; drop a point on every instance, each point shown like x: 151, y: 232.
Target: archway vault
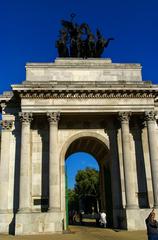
x: 90, y: 145
x: 93, y: 143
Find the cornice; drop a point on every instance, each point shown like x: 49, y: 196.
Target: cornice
x: 81, y: 93
x: 6, y: 96
x: 75, y: 63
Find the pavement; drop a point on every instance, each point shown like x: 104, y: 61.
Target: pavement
x: 84, y: 233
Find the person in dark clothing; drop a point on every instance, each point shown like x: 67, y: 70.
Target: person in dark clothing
x: 152, y: 226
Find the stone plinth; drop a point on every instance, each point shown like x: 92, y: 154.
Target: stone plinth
x: 7, y: 223
x: 33, y: 223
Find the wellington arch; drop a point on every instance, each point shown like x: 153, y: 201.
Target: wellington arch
x: 75, y: 104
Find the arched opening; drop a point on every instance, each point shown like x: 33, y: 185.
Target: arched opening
x: 82, y: 172
x: 100, y: 152
x: 78, y: 161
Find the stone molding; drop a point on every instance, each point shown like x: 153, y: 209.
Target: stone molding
x: 6, y: 124
x: 81, y: 93
x: 124, y: 116
x: 53, y: 117
x: 80, y: 63
x: 150, y: 116
x: 25, y: 117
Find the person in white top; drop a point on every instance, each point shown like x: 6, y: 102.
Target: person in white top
x: 103, y: 219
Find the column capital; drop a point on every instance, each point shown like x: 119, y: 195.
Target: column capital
x: 25, y: 117
x: 150, y: 116
x: 6, y: 124
x: 124, y: 116
x: 53, y: 117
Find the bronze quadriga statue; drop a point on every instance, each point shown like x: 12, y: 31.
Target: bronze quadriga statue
x: 79, y: 42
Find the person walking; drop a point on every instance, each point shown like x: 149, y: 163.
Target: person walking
x: 103, y: 221
x: 152, y: 226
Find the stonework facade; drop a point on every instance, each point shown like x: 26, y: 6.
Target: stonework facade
x: 71, y: 105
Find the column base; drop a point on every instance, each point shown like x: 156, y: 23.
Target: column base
x: 131, y: 219
x: 132, y: 206
x: 136, y: 218
x: 50, y: 210
x: 24, y: 210
x: 6, y: 211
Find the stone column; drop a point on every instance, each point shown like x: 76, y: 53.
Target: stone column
x: 54, y: 168
x: 152, y: 139
x: 127, y: 161
x: 25, y: 164
x: 4, y: 165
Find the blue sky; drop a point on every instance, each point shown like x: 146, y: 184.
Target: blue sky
x: 79, y: 161
x: 30, y: 28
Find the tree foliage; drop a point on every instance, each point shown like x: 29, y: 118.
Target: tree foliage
x: 87, y: 183
x: 73, y: 199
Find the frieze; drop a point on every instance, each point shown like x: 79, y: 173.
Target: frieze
x: 6, y: 124
x: 87, y: 94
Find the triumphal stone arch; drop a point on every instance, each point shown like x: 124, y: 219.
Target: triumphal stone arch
x: 74, y: 104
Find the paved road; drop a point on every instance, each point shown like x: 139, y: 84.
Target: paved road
x: 84, y: 233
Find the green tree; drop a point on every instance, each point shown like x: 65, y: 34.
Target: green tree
x: 73, y: 200
x: 87, y: 186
